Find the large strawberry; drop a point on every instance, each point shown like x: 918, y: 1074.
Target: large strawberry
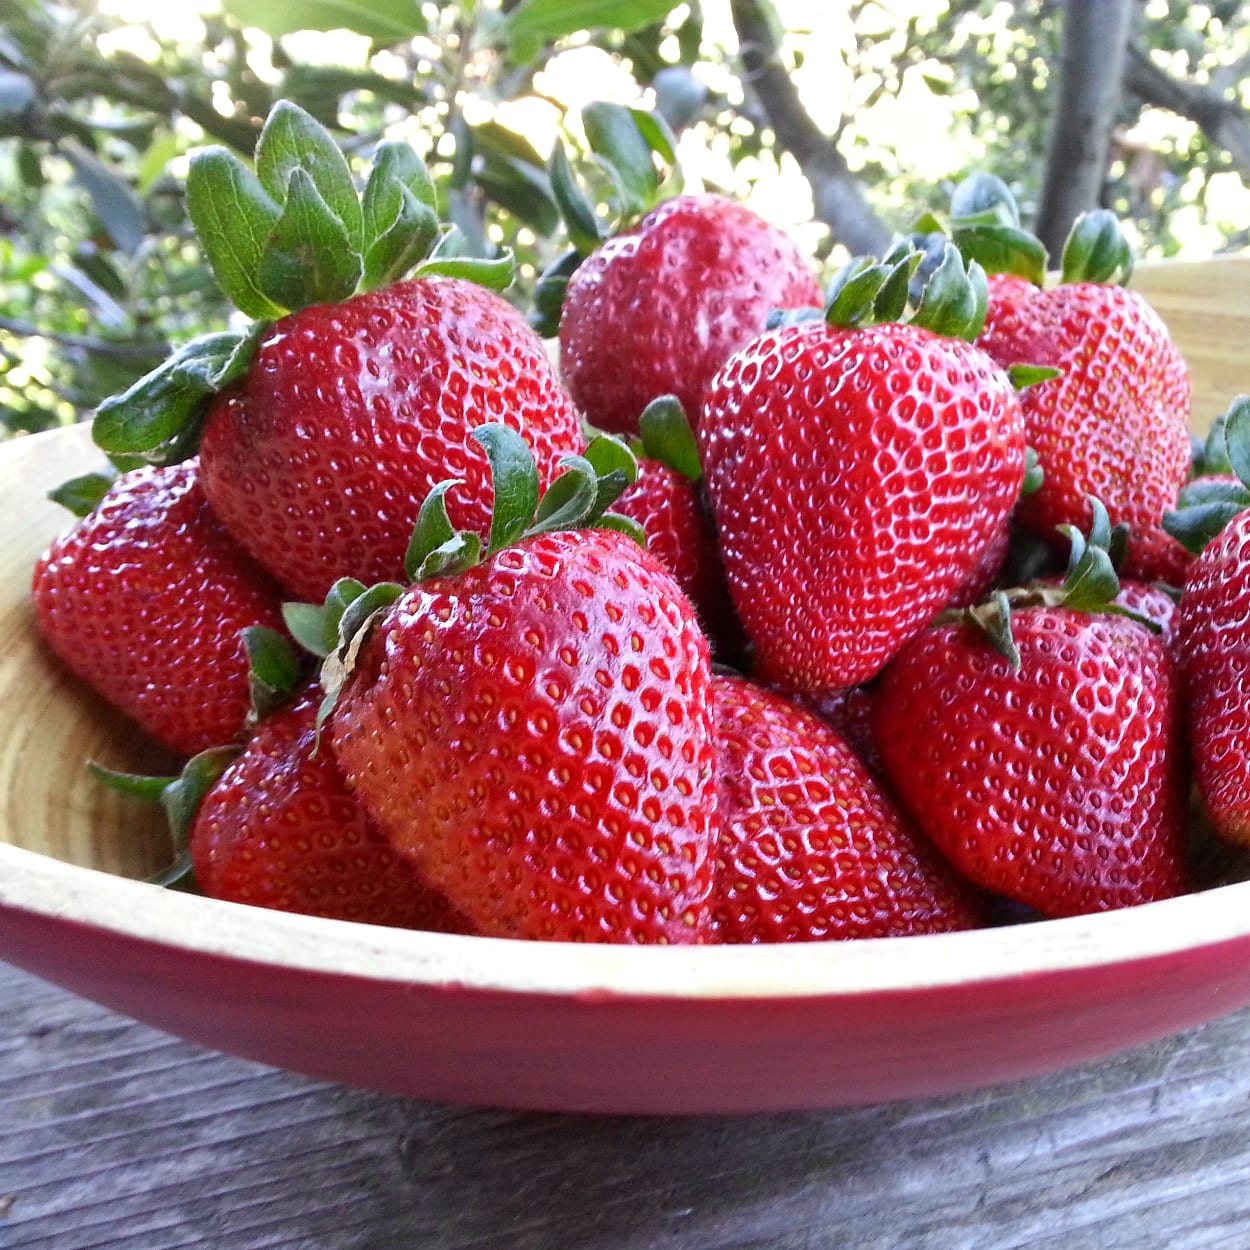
x: 1114, y: 424
x: 810, y: 846
x: 534, y: 729
x: 857, y: 473
x: 147, y: 599
x: 1213, y: 630
x: 351, y: 413
x: 657, y: 310
x: 280, y: 829
x: 327, y: 422
x: 1052, y: 771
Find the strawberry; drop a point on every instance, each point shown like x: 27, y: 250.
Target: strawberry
x: 280, y: 829
x: 1114, y: 424
x: 658, y: 309
x: 666, y: 501
x: 857, y: 474
x: 147, y: 598
x: 324, y: 424
x: 534, y: 729
x: 811, y: 847
x: 1212, y: 630
x: 1055, y: 777
x: 319, y: 460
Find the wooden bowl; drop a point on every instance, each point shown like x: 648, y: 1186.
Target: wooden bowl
x: 563, y: 1027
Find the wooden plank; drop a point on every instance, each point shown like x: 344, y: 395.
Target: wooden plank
x: 115, y: 1137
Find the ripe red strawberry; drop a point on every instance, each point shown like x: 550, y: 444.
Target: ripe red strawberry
x: 145, y: 599
x: 811, y: 847
x: 848, y: 713
x: 856, y: 476
x: 1114, y: 424
x: 1213, y: 640
x: 280, y: 829
x: 657, y: 310
x: 535, y: 731
x: 319, y: 460
x: 667, y: 502
x: 1060, y: 784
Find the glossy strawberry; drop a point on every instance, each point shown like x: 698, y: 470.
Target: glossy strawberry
x: 1213, y: 641
x: 536, y: 733
x: 658, y: 309
x: 1060, y: 784
x: 146, y: 597
x: 1114, y: 424
x: 280, y: 829
x: 319, y: 460
x: 856, y: 476
x: 811, y: 847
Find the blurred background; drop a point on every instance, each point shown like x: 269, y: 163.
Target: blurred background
x: 841, y: 122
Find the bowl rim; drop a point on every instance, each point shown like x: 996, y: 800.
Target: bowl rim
x: 39, y: 885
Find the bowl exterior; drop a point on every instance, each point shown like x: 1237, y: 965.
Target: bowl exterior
x: 607, y: 1053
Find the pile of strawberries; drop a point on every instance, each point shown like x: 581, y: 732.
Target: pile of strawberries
x: 864, y: 616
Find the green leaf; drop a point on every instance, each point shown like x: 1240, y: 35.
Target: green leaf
x: 162, y: 404
x: 433, y: 528
x: 496, y: 274
x: 1195, y: 525
x: 17, y: 94
x: 404, y: 246
x: 613, y: 134
x: 133, y: 785
x: 549, y: 292
x: 570, y: 499
x: 273, y: 668
x: 515, y: 478
x: 116, y: 205
x: 182, y: 797
x: 1003, y: 249
x: 308, y: 257
x: 955, y: 299
x: 615, y: 466
x: 306, y: 623
x: 1097, y: 250
x: 1023, y: 376
x: 384, y: 21
x: 890, y: 302
x: 1034, y: 474
x: 985, y: 197
x: 395, y: 165
x: 854, y: 290
x: 541, y: 21
x: 668, y: 438
x: 364, y: 607
x: 461, y: 551
x: 293, y: 141
x: 339, y: 598
x: 657, y: 133
x: 1237, y: 437
x: 576, y: 210
x: 81, y: 495
x: 622, y: 525
x: 233, y: 217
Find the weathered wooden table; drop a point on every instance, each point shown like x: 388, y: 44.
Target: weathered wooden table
x: 116, y: 1137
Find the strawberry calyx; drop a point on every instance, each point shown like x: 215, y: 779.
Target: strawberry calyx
x: 1090, y: 585
x: 866, y: 291
x: 180, y: 796
x: 984, y: 224
x: 1207, y: 503
x: 1097, y: 250
x: 666, y: 437
x: 82, y: 495
x: 290, y: 232
x: 579, y: 498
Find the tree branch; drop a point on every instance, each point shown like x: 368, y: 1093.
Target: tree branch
x: 1225, y: 123
x: 837, y: 198
x: 1095, y: 42
x: 98, y: 347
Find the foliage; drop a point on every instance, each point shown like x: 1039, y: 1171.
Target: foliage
x: 99, y: 271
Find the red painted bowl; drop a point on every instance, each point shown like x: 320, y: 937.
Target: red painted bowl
x: 558, y: 1027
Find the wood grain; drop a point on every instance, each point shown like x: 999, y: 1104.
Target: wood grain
x: 1206, y: 305
x: 115, y: 1137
